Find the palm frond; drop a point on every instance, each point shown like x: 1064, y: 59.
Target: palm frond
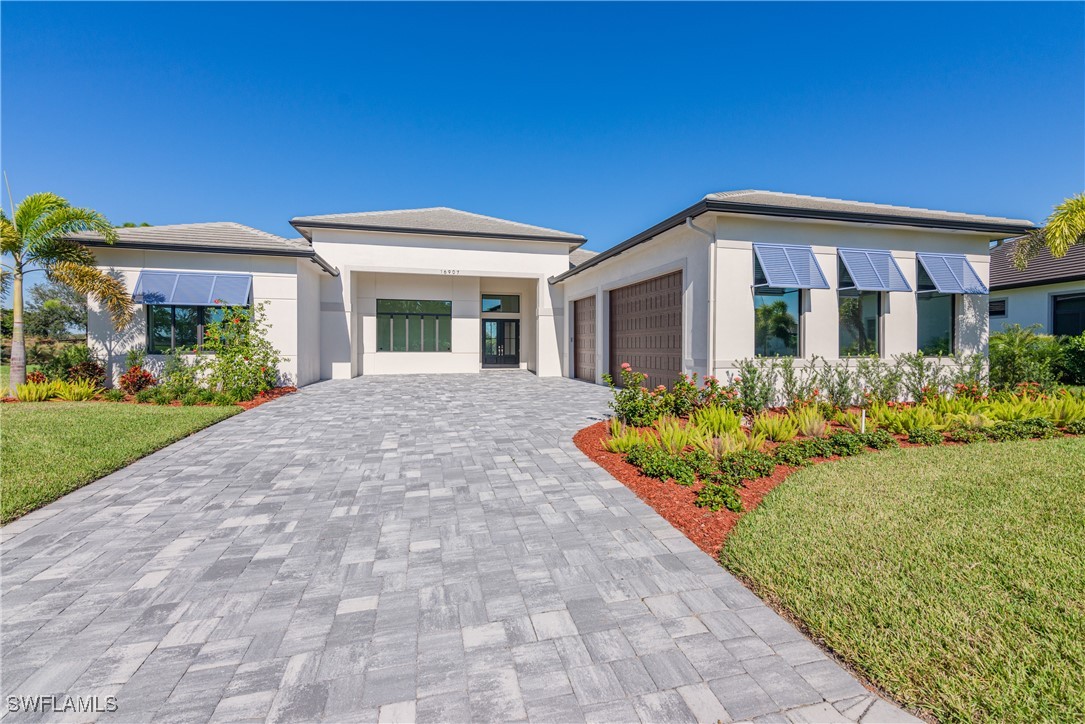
x: 34, y: 208
x: 1027, y: 247
x: 1064, y: 228
x: 10, y: 243
x: 63, y: 223
x: 53, y: 251
x: 94, y: 282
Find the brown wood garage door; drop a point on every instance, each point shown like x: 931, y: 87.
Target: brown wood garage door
x: 584, y: 339
x: 646, y: 328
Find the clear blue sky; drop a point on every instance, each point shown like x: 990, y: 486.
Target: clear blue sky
x: 600, y: 119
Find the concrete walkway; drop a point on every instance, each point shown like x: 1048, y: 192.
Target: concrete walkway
x: 404, y: 548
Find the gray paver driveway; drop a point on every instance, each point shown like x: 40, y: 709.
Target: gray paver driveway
x: 430, y: 548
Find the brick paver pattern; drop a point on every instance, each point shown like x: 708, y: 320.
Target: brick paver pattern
x: 410, y: 548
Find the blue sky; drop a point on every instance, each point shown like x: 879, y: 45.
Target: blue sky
x: 597, y: 118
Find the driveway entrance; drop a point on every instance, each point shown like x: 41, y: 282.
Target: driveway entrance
x: 428, y: 548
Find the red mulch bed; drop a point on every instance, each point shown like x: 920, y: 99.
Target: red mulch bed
x: 272, y: 394
x: 708, y: 530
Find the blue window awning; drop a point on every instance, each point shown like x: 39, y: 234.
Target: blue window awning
x: 192, y: 289
x: 952, y: 274
x: 872, y: 271
x: 789, y: 267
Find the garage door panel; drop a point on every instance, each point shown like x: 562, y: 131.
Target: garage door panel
x: 584, y: 339
x: 646, y: 328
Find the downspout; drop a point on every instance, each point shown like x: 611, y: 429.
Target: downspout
x: 711, y: 357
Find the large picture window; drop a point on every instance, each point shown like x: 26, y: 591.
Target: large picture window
x: 1068, y: 314
x: 414, y: 325
x: 935, y: 317
x: 178, y: 328
x: 776, y: 322
x: 860, y: 317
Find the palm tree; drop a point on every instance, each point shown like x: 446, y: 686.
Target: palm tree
x: 38, y: 237
x: 1063, y: 229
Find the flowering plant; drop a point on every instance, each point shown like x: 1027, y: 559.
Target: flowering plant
x: 245, y: 363
x: 136, y: 379
x: 633, y: 403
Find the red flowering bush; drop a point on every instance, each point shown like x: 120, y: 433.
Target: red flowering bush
x: 136, y: 379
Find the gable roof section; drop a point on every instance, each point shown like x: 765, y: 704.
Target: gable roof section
x: 224, y: 237
x: 795, y: 206
x: 579, y: 256
x: 438, y: 220
x: 1044, y: 269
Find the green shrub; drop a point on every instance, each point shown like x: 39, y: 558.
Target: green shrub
x: 632, y: 403
x: 797, y: 385
x: 244, y: 361
x: 1018, y: 354
x: 924, y: 436
x: 755, y: 381
x: 190, y: 398
x: 747, y: 465
x: 179, y: 375
x: 77, y: 391
x: 224, y: 399
x: 879, y: 380
x: 778, y: 428
x: 792, y: 454
x: 624, y: 437
x: 967, y: 435
x: 162, y: 396
x: 37, y: 391
x: 114, y: 395
x: 837, y: 384
x: 879, y: 440
x: 719, y: 497
x: 206, y: 396
x: 135, y: 357
x: 1076, y: 428
x: 717, y: 421
x: 810, y: 422
x: 845, y: 444
x: 921, y: 377
x: 145, y: 395
x: 673, y: 435
x: 56, y: 368
x: 703, y: 464
x: 660, y: 464
x: 1072, y: 363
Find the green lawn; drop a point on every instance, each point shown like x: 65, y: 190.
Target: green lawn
x: 48, y: 449
x: 952, y: 576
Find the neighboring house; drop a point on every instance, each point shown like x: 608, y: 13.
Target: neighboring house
x: 735, y: 275
x: 1049, y: 291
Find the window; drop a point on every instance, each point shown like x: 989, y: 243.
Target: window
x: 501, y: 303
x: 935, y: 316
x: 1068, y: 314
x: 175, y: 328
x: 860, y: 317
x: 776, y: 322
x: 412, y: 325
x: 997, y: 308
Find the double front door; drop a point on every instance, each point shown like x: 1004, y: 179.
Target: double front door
x: 500, y: 343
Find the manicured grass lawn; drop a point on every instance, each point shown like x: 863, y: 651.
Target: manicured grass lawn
x: 48, y: 449
x: 952, y: 576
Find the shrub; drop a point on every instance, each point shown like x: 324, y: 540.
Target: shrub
x: 37, y: 391
x: 244, y: 359
x: 632, y: 403
x: 968, y: 376
x: 660, y: 464
x: 145, y: 395
x: 1076, y: 428
x: 747, y: 465
x: 135, y: 357
x: 136, y: 379
x: 846, y: 443
x: 1018, y: 354
x: 755, y: 381
x: 673, y: 436
x: 879, y: 380
x: 921, y: 377
x: 114, y: 395
x: 162, y: 396
x: 684, y: 395
x: 37, y: 377
x: 1040, y: 428
x: 77, y: 391
x: 809, y: 422
x: 179, y: 376
x: 967, y: 435
x: 90, y: 371
x: 57, y: 366
x: 792, y: 454
x: 797, y: 385
x: 878, y: 440
x: 624, y: 437
x: 224, y: 399
x: 714, y: 394
x: 716, y: 496
x: 837, y: 384
x: 722, y: 445
x: 717, y: 421
x: 702, y: 463
x: 190, y: 398
x: 778, y: 428
x: 1065, y: 410
x: 1072, y: 362
x: 924, y: 436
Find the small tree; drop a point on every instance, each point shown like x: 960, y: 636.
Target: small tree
x: 244, y: 363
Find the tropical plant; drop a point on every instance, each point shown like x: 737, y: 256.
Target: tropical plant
x: 39, y: 235
x: 660, y: 464
x: 114, y: 395
x: 179, y: 375
x: 797, y: 384
x: 853, y: 421
x: 747, y: 465
x: 921, y: 377
x: 924, y: 436
x: 716, y: 421
x: 719, y: 496
x: 136, y: 380
x: 778, y: 428
x: 631, y: 402
x: 846, y: 443
x: 674, y: 437
x: 836, y: 384
x: 879, y: 380
x: 755, y: 381
x: 37, y: 391
x: 1064, y: 228
x: 1019, y: 354
x: 809, y: 422
x: 244, y: 362
x: 1065, y: 410
x: 145, y: 395
x: 624, y: 437
x: 77, y: 390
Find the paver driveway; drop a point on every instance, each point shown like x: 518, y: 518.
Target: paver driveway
x: 430, y: 548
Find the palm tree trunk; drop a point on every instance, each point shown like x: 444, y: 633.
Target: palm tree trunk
x: 18, y: 339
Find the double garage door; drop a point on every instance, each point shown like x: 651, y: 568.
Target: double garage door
x: 645, y: 330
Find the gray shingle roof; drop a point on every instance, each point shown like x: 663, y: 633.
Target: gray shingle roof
x: 818, y: 203
x: 1044, y: 269
x: 218, y: 236
x: 579, y: 256
x: 436, y: 220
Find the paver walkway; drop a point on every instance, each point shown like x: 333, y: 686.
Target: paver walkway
x: 425, y: 548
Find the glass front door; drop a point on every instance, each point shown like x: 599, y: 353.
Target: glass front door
x: 500, y: 343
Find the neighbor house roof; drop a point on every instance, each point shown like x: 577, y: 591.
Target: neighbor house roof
x: 436, y: 220
x: 579, y: 256
x: 1043, y: 269
x: 223, y: 237
x: 796, y: 206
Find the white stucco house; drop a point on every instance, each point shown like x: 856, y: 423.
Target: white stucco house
x: 1049, y: 292
x: 735, y: 275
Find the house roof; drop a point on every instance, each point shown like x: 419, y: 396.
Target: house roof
x: 579, y: 256
x: 1043, y: 269
x: 224, y: 237
x: 435, y: 220
x: 796, y: 206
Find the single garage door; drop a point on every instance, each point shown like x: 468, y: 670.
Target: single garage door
x: 584, y: 339
x: 646, y: 328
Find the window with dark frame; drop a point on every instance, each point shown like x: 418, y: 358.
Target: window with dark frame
x: 996, y: 308
x: 1068, y: 314
x: 777, y: 317
x: 501, y: 303
x: 860, y: 317
x: 178, y: 328
x: 414, y: 325
x: 936, y: 319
